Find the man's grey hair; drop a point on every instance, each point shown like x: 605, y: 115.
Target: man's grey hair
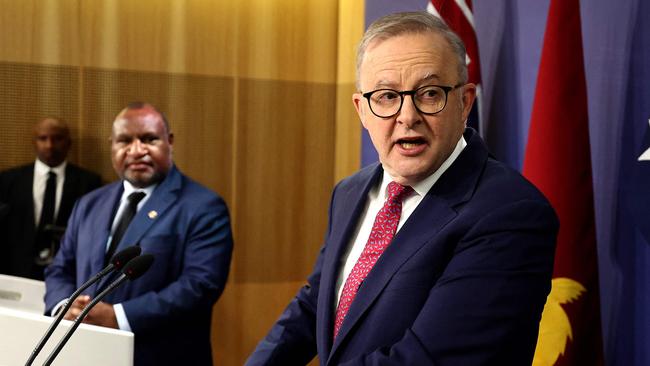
x: 398, y: 24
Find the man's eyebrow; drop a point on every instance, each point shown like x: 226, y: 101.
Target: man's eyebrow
x: 381, y: 84
x: 148, y: 135
x: 384, y: 84
x: 430, y: 77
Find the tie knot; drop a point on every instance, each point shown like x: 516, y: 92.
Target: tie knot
x: 51, y: 175
x: 397, y: 191
x: 135, y: 197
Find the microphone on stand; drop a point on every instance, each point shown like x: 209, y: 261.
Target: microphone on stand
x: 117, y: 263
x: 132, y: 270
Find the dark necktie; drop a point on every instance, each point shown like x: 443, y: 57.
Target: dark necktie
x: 127, y: 215
x: 44, y: 246
x: 49, y: 200
x: 381, y: 235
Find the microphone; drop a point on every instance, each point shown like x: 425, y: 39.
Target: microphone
x: 117, y: 263
x: 132, y: 270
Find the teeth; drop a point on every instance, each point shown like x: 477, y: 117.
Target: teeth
x: 408, y: 145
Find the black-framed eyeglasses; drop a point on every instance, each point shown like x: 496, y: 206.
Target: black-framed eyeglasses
x: 428, y: 99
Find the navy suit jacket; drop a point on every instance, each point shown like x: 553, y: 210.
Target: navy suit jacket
x: 18, y: 228
x: 463, y: 282
x: 187, y: 229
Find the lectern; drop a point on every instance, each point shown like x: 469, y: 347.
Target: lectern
x: 22, y: 326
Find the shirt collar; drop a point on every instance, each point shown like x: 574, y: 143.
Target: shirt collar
x: 40, y: 168
x: 129, y: 188
x: 423, y: 186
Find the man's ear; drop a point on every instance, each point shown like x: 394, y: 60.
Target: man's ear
x: 468, y: 97
x: 357, y: 100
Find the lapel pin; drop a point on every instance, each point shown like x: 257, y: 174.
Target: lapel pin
x: 152, y: 214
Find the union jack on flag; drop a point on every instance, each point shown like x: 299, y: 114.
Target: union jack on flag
x: 459, y: 17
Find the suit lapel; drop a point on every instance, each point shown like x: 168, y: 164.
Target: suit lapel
x: 431, y: 215
x: 162, y: 198
x: 352, y: 201
x: 25, y: 192
x: 102, y: 219
x: 27, y: 195
x: 436, y: 209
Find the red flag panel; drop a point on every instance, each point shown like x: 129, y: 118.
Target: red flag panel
x: 558, y: 162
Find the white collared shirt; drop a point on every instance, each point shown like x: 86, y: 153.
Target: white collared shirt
x: 124, y: 202
x: 39, y: 183
x: 120, y: 315
x: 375, y: 202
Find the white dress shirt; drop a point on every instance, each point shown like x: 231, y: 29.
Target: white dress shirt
x: 39, y: 183
x: 120, y: 315
x: 376, y: 198
x: 124, y: 203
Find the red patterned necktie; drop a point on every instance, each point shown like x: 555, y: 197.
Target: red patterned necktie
x: 380, y: 237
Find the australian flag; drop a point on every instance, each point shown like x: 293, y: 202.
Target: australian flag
x: 631, y: 240
x: 459, y: 16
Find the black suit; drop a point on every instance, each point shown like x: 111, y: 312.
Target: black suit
x: 18, y: 228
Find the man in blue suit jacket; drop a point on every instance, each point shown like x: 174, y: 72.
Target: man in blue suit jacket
x: 465, y: 278
x: 183, y: 224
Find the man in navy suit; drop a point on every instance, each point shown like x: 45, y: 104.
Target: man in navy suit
x: 454, y: 267
x: 28, y: 239
x: 183, y: 224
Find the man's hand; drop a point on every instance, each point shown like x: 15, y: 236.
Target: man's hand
x: 102, y: 314
x: 77, y: 307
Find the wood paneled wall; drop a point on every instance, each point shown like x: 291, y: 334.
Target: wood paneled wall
x: 259, y: 98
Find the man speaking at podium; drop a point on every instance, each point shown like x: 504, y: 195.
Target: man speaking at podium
x: 437, y: 255
x: 183, y: 224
